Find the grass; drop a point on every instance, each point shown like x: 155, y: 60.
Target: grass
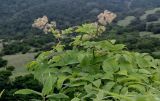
x: 125, y: 22
x: 19, y: 61
x: 150, y: 34
x: 155, y: 36
x: 148, y: 12
x: 145, y: 34
x: 157, y: 53
x: 1, y: 46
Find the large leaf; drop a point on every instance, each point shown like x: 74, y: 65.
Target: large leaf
x: 123, y: 72
x: 75, y: 99
x: 110, y: 65
x: 108, y: 86
x: 57, y: 96
x: 88, y: 88
x: 138, y: 88
x: 84, y: 29
x: 142, y: 62
x: 144, y: 71
x: 67, y: 58
x: 1, y: 93
x: 117, y: 89
x: 60, y: 81
x: 97, y: 83
x: 108, y: 76
x: 124, y: 90
x: 99, y: 96
x: 27, y: 91
x: 48, y: 85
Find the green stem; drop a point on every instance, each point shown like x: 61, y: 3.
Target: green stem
x: 97, y: 28
x: 93, y: 52
x: 44, y: 99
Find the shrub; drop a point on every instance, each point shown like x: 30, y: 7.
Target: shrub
x: 94, y: 70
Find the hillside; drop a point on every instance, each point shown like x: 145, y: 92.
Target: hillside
x: 17, y: 15
x: 136, y: 18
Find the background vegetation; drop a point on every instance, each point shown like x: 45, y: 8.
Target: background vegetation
x: 137, y: 26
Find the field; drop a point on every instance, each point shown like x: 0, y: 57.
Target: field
x: 125, y: 22
x: 19, y: 61
x: 150, y: 34
x: 142, y: 34
x: 1, y: 46
x: 148, y: 12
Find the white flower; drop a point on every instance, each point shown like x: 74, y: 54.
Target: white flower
x: 40, y: 22
x: 106, y: 17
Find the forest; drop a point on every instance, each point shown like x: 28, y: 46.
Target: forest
x: 80, y: 50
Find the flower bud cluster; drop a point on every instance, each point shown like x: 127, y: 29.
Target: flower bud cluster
x: 43, y: 24
x: 106, y: 17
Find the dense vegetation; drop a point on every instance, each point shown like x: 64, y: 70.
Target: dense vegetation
x: 20, y: 82
x: 85, y: 59
x: 93, y: 70
x: 17, y: 17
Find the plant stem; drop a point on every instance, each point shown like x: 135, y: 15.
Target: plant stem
x: 97, y: 29
x: 44, y: 99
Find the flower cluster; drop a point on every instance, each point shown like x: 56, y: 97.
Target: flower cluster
x: 42, y: 23
x: 106, y: 17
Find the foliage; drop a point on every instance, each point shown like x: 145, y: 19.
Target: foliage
x: 15, y: 47
x: 19, y: 82
x: 17, y: 16
x: 3, y: 62
x: 94, y: 70
x: 1, y: 93
x: 4, y: 78
x: 10, y: 68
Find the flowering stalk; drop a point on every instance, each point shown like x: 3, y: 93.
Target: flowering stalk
x: 89, y: 31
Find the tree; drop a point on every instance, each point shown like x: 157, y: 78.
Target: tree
x: 3, y: 63
x: 152, y: 17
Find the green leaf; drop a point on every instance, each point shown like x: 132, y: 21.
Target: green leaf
x: 110, y: 65
x: 124, y: 90
x: 48, y: 85
x: 76, y: 84
x: 144, y: 71
x: 75, y: 99
x: 138, y: 88
x: 123, y: 72
x: 66, y: 70
x: 97, y: 83
x: 57, y: 96
x: 67, y: 58
x: 90, y: 28
x: 1, y: 93
x: 142, y: 62
x: 100, y: 96
x: 109, y: 86
x: 108, y: 76
x: 60, y: 81
x: 113, y: 41
x: 88, y: 88
x: 119, y: 46
x: 35, y: 100
x: 27, y: 91
x: 67, y: 31
x: 117, y: 89
x: 59, y: 47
